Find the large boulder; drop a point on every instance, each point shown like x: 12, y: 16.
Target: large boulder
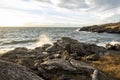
x: 57, y: 69
x: 73, y: 46
x: 55, y: 48
x: 10, y: 71
x: 60, y: 69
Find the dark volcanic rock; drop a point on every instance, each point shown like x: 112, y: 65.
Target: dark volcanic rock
x: 73, y: 46
x: 55, y: 48
x: 60, y: 69
x: 23, y: 56
x: 38, y: 50
x: 45, y: 46
x: 10, y: 71
x: 117, y: 47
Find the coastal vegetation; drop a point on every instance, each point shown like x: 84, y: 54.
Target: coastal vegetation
x: 110, y: 64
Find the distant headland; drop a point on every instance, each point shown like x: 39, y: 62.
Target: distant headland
x: 108, y: 28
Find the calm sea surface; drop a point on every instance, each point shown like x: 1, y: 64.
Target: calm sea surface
x: 35, y: 36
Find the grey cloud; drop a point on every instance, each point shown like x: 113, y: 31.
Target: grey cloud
x: 85, y: 4
x: 72, y: 4
x: 46, y: 1
x: 68, y: 4
x: 103, y: 4
x: 89, y: 4
x: 105, y: 7
x: 101, y: 7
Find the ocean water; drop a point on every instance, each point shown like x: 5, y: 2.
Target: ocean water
x: 32, y: 37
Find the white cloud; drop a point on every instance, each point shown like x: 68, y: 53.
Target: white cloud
x: 16, y: 12
x: 101, y: 8
x: 10, y: 17
x: 18, y: 4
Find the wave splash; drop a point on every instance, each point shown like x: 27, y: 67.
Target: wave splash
x: 44, y: 39
x: 114, y: 42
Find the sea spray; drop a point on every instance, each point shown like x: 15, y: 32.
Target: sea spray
x: 114, y: 42
x: 43, y: 39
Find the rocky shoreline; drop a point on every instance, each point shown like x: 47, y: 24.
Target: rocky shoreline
x: 108, y: 28
x: 66, y: 59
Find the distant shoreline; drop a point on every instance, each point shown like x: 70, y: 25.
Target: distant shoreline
x: 108, y: 28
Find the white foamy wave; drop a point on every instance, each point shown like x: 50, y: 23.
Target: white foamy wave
x: 77, y: 29
x: 44, y: 39
x: 102, y: 44
x: 114, y: 42
x: 2, y: 51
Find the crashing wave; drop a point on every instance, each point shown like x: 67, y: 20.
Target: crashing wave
x: 114, y: 42
x: 44, y: 39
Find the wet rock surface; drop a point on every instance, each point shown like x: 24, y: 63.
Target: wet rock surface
x: 60, y: 61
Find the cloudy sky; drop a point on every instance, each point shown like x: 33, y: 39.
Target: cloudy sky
x: 82, y: 12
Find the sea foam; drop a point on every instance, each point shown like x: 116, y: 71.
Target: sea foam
x: 44, y: 39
